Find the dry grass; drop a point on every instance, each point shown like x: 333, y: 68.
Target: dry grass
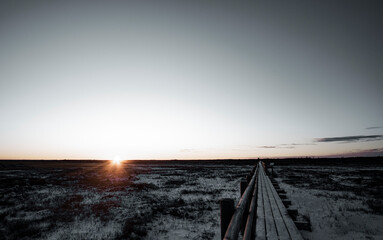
x: 96, y: 200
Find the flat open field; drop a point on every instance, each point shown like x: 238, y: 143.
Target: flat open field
x: 99, y: 200
x: 342, y: 201
x: 176, y: 199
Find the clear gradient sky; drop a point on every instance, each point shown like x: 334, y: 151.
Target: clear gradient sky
x: 190, y: 79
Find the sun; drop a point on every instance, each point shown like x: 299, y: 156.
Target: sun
x: 116, y: 160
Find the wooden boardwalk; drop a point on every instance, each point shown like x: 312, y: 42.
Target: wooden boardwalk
x: 267, y: 217
x: 273, y: 220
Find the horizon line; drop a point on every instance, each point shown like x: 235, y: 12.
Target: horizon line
x: 194, y: 159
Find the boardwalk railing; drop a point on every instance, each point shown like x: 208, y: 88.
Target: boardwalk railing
x: 260, y: 212
x: 236, y: 222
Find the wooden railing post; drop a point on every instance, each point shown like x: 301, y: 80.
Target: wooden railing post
x: 227, y: 210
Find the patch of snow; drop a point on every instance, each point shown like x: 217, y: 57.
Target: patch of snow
x: 334, y: 215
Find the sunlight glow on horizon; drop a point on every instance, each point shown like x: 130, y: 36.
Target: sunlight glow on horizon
x: 116, y: 160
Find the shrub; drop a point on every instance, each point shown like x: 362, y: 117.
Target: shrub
x: 134, y: 228
x: 22, y: 229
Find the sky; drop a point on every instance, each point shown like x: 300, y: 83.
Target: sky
x: 190, y: 79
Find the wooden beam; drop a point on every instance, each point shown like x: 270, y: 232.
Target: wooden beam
x: 271, y: 230
x: 282, y: 231
x: 292, y: 229
x: 249, y: 233
x: 236, y: 221
x: 260, y: 229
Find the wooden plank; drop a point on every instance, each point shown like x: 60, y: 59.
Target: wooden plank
x: 292, y: 211
x: 286, y: 202
x: 282, y: 196
x: 292, y: 229
x: 282, y: 231
x: 260, y: 232
x: 303, y: 225
x: 271, y: 230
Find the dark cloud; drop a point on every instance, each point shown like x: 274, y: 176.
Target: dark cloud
x: 369, y: 128
x: 287, y: 145
x: 346, y: 139
x: 297, y: 144
x: 374, y: 152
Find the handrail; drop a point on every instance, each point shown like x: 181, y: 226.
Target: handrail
x: 236, y: 221
x: 247, y: 212
x: 248, y: 234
